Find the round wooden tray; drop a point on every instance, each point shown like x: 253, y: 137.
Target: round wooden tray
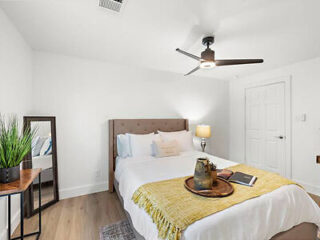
x: 221, y: 188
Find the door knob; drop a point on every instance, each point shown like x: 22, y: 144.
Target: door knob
x: 280, y: 137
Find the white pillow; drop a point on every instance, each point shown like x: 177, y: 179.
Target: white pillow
x: 184, y: 139
x: 37, y: 148
x: 123, y: 145
x: 34, y: 144
x: 141, y: 144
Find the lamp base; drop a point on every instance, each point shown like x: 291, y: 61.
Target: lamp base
x: 203, y: 144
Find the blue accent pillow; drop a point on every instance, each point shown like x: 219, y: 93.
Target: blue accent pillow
x: 37, y: 148
x: 49, y: 150
x: 123, y: 145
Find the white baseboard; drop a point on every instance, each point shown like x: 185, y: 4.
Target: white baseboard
x: 83, y: 190
x: 309, y: 187
x: 15, y: 221
x: 3, y: 234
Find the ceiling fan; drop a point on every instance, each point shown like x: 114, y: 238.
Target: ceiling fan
x: 207, y: 60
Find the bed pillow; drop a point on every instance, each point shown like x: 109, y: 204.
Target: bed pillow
x: 166, y: 149
x: 141, y: 144
x: 34, y: 144
x: 123, y: 145
x: 37, y: 148
x: 184, y: 139
x: 49, y: 150
x: 45, y: 146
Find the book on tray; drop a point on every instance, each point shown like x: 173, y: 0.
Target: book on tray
x: 242, y: 178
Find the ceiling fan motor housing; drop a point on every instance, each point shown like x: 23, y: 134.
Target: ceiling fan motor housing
x: 208, y: 55
x: 207, y: 59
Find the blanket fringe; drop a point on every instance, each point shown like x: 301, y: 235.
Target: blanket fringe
x: 166, y: 230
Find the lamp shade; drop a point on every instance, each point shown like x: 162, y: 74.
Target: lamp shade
x: 203, y: 131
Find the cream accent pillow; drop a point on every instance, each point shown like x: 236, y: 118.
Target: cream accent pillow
x: 166, y: 149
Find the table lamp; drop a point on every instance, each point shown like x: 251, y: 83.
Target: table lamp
x: 203, y: 132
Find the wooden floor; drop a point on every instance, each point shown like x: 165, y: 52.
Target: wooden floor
x: 77, y: 218
x: 80, y: 218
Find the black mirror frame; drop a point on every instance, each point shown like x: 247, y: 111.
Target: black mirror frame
x: 27, y: 164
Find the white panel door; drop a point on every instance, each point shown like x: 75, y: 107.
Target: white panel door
x: 265, y: 127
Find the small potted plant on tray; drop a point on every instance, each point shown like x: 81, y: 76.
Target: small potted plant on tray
x: 14, y: 146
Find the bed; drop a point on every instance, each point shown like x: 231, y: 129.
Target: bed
x: 43, y: 161
x: 286, y: 213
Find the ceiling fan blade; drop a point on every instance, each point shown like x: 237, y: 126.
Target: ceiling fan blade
x: 193, y: 70
x: 188, y: 54
x: 237, y: 61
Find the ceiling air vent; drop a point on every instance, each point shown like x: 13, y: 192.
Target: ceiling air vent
x: 114, y: 5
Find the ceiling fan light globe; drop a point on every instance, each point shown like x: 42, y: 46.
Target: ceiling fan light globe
x: 207, y: 64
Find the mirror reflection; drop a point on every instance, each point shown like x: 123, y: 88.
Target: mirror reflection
x: 42, y: 158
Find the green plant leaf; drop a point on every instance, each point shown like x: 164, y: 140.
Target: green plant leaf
x: 13, y: 146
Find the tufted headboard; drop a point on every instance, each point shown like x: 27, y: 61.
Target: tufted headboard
x: 137, y: 126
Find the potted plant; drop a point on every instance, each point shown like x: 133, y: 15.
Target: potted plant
x: 13, y: 148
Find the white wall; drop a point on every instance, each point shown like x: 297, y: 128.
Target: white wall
x: 84, y: 94
x: 15, y: 90
x: 305, y: 92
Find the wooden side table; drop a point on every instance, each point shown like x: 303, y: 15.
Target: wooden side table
x: 19, y: 187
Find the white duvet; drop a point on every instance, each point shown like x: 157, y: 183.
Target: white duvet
x: 258, y: 218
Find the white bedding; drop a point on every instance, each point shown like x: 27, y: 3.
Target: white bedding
x: 44, y: 162
x: 258, y: 218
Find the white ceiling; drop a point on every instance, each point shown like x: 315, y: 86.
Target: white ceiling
x: 147, y: 32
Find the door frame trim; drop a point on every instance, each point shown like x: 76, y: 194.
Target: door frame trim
x: 288, y: 117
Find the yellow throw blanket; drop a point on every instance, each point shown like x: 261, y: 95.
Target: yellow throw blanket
x: 173, y: 208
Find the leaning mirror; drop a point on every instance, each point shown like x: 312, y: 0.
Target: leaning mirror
x: 43, y: 155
